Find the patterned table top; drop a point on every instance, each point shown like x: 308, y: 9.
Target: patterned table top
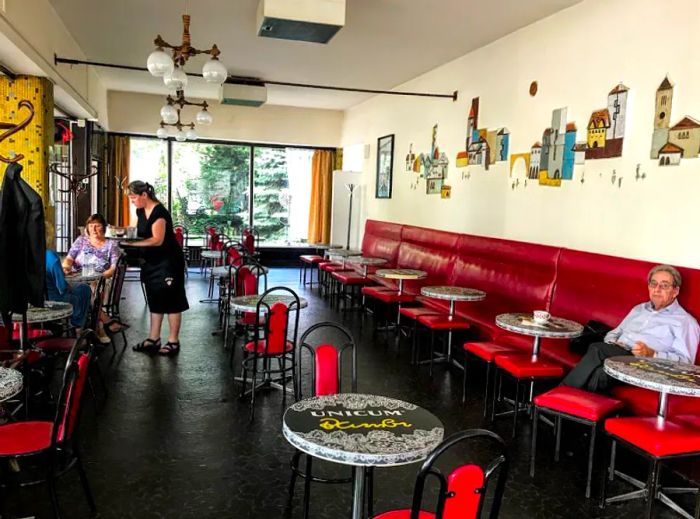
x: 250, y: 303
x: 343, y: 253
x: 10, y: 383
x: 223, y: 271
x: 401, y: 274
x: 555, y: 328
x: 362, y: 430
x: 80, y: 277
x: 366, y: 260
x: 450, y: 293
x: 52, y: 311
x: 656, y: 374
x: 212, y: 254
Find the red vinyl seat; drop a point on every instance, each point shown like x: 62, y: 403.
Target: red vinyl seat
x: 351, y: 278
x: 332, y: 267
x: 659, y: 438
x: 577, y: 405
x: 522, y: 366
x: 443, y: 322
x: 311, y: 258
x: 487, y: 352
x: 388, y: 295
x: 414, y: 312
x: 24, y: 438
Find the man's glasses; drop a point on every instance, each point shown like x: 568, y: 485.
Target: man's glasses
x: 664, y: 285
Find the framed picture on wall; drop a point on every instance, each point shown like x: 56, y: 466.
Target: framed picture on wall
x: 385, y: 165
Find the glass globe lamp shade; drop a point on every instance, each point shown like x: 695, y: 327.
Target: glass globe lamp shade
x: 204, y: 118
x: 168, y: 114
x: 159, y: 63
x: 180, y: 136
x: 214, y: 71
x: 191, y: 135
x: 162, y: 133
x: 177, y: 80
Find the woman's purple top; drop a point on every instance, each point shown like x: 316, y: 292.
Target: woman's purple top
x: 82, y: 252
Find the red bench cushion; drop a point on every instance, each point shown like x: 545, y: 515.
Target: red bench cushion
x: 577, y: 402
x: 487, y: 350
x: 522, y: 366
x: 658, y: 438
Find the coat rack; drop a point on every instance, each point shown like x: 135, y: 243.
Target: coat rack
x: 13, y: 128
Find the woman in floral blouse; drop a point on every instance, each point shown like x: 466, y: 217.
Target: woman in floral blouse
x: 93, y: 248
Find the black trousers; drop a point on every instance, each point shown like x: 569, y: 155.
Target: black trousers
x: 588, y: 373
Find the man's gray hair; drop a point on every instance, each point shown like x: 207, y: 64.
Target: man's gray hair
x: 666, y: 268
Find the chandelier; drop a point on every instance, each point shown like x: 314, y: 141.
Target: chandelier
x: 170, y: 68
x: 170, y: 116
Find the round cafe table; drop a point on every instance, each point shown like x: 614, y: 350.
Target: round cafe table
x: 524, y: 324
x: 362, y: 431
x: 52, y: 311
x: 342, y: 255
x: 250, y: 303
x: 452, y: 294
x: 665, y: 376
x: 75, y: 278
x: 401, y: 275
x: 10, y: 383
x: 222, y: 271
x: 365, y: 262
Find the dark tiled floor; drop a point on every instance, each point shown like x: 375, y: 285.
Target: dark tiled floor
x: 173, y: 440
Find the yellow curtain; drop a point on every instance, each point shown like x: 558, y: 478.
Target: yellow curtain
x: 118, y: 180
x: 321, y: 196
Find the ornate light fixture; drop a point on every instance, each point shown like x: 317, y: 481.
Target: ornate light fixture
x: 160, y: 64
x: 170, y: 116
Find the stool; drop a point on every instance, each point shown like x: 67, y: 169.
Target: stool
x: 389, y: 296
x: 578, y: 406
x: 487, y: 352
x: 309, y: 261
x: 414, y: 312
x: 349, y: 279
x: 442, y: 322
x: 522, y: 367
x: 324, y: 269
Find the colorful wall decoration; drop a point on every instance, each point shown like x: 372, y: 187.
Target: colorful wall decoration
x: 432, y: 166
x: 606, y: 127
x: 671, y: 143
x: 483, y: 147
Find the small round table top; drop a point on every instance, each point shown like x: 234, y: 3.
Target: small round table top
x: 222, y: 271
x: 450, y: 293
x: 362, y: 430
x: 401, y: 274
x: 324, y: 246
x: 52, y: 311
x: 343, y: 253
x: 10, y: 383
x: 80, y: 277
x: 212, y: 254
x: 555, y: 328
x: 366, y: 260
x: 250, y: 303
x: 661, y: 375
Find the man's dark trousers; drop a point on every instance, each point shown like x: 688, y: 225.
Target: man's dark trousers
x: 589, y: 373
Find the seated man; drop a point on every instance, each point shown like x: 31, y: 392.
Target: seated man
x: 659, y: 328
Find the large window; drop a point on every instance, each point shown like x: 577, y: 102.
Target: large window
x: 148, y: 162
x: 281, y: 191
x: 210, y: 187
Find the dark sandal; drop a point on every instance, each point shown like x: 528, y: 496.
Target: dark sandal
x: 147, y: 346
x: 169, y: 349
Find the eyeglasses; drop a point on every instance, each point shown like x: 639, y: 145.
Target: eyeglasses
x: 664, y: 285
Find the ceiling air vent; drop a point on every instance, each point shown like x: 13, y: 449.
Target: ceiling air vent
x: 315, y: 21
x: 243, y: 95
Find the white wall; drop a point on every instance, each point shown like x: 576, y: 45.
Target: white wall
x: 139, y: 113
x: 577, y: 56
x: 37, y: 32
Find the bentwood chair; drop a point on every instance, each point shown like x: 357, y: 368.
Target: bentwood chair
x: 275, y: 322
x: 461, y: 494
x: 244, y: 280
x: 182, y: 238
x: 114, y: 297
x: 53, y: 444
x: 326, y: 369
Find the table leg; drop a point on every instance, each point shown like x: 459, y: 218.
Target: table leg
x: 450, y: 316
x: 358, y: 493
x: 535, y: 349
x: 663, y: 406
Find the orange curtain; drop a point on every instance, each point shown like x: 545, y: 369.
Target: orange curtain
x: 119, y: 152
x: 321, y: 196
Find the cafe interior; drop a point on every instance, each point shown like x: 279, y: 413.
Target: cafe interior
x: 384, y: 234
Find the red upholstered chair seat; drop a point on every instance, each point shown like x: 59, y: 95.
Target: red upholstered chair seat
x: 387, y: 295
x: 32, y: 333
x: 57, y: 344
x: 404, y: 514
x: 413, y: 312
x: 487, y: 350
x: 351, y: 278
x: 645, y: 402
x: 332, y: 267
x: 658, y: 438
x: 25, y: 437
x: 442, y: 322
x: 576, y: 402
x: 260, y: 347
x: 522, y: 366
x: 311, y: 258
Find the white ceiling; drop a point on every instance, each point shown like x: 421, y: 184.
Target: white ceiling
x: 383, y: 44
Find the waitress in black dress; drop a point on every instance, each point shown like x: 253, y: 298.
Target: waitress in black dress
x: 162, y: 269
